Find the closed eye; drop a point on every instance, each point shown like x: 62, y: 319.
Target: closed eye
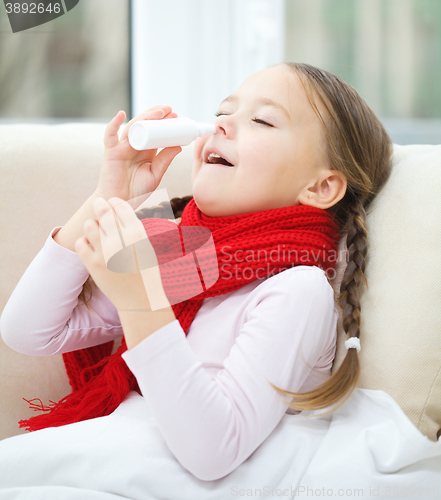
x: 257, y: 120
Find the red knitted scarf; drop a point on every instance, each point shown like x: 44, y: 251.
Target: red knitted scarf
x: 248, y: 246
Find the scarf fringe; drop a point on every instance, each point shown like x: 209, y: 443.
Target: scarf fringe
x: 99, y: 397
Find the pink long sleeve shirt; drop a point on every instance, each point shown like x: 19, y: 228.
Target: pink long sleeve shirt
x: 209, y: 391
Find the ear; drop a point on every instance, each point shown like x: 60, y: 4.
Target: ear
x: 327, y: 190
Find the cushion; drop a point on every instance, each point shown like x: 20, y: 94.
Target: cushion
x: 400, y: 331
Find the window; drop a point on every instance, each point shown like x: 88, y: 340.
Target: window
x: 193, y: 54
x: 388, y: 50
x: 75, y: 67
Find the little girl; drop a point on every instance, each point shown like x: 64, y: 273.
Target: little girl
x: 196, y: 387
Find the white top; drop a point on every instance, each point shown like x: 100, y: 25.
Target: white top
x: 207, y: 391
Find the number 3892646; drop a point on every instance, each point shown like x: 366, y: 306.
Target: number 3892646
x: 32, y: 8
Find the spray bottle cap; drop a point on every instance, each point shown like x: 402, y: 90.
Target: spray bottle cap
x: 206, y: 128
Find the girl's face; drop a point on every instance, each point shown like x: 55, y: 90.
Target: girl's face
x: 277, y: 150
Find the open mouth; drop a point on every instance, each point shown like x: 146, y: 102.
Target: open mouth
x: 216, y: 159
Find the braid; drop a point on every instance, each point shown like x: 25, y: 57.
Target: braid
x: 354, y: 273
x: 344, y: 380
x: 160, y: 212
x: 178, y: 205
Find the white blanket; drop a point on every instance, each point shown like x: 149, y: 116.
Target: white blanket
x: 367, y: 448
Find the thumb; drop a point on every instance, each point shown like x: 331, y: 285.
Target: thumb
x: 162, y: 161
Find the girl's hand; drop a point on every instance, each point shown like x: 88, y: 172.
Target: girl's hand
x: 125, y: 172
x: 129, y: 288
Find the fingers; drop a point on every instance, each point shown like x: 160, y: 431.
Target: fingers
x: 100, y: 207
x: 89, y: 245
x: 132, y: 228
x: 162, y: 111
x: 111, y: 241
x: 132, y: 232
x: 83, y: 248
x: 111, y: 132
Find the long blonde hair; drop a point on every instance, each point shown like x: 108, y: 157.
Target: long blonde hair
x: 360, y: 148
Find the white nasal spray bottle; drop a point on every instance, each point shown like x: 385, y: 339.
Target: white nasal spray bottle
x: 169, y: 132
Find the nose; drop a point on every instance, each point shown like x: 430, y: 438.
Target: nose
x: 223, y: 126
x: 220, y: 128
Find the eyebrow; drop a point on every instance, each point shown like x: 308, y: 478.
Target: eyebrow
x: 263, y: 101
